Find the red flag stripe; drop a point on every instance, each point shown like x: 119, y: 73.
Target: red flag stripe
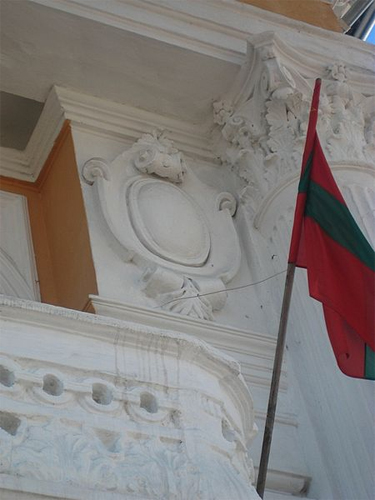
x: 339, y: 260
x: 340, y: 281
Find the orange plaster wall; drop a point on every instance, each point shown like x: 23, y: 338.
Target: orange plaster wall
x: 66, y: 226
x: 316, y: 12
x: 59, y: 227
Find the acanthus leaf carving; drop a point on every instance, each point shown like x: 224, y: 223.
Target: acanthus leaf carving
x: 262, y: 122
x: 112, y: 451
x: 155, y: 154
x: 222, y: 111
x: 184, y: 295
x: 61, y: 451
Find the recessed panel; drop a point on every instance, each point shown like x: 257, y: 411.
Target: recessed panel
x: 168, y: 222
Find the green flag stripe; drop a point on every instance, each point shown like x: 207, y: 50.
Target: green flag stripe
x: 369, y: 363
x: 305, y: 179
x: 336, y: 220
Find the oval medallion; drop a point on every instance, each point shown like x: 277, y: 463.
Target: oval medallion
x: 168, y: 222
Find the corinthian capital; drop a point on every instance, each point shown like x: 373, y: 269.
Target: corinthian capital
x: 262, y: 121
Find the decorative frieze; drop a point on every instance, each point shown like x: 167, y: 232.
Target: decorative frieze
x: 120, y: 409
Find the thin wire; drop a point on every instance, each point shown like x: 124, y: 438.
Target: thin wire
x: 221, y: 291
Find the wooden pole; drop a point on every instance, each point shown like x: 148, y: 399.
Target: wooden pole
x: 272, y: 401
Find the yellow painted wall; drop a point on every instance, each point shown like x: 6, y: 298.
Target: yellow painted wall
x: 316, y: 12
x: 59, y: 227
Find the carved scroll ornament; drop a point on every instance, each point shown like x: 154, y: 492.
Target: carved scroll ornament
x: 178, y: 230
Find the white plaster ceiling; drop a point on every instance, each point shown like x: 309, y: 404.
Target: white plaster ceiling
x: 41, y: 47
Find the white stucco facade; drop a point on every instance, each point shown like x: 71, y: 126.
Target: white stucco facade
x: 188, y: 120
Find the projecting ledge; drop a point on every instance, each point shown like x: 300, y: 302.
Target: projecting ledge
x: 118, y: 408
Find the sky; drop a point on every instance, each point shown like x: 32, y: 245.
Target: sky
x: 371, y: 37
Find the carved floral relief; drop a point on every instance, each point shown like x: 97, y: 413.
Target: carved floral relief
x: 115, y: 434
x: 261, y: 128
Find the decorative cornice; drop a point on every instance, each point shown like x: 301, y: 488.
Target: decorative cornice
x: 113, y: 315
x: 97, y: 116
x: 259, y: 347
x: 92, y: 326
x: 26, y: 165
x: 220, y: 29
x: 263, y: 345
x: 127, y: 123
x: 15, y: 164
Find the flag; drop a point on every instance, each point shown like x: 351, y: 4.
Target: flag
x: 339, y: 260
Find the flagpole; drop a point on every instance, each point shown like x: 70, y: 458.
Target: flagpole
x: 293, y: 254
x: 272, y: 401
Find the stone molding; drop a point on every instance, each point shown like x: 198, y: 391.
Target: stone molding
x: 134, y: 400
x: 262, y: 122
x: 26, y: 165
x: 96, y: 116
x: 220, y: 29
x: 286, y: 483
x: 123, y: 122
x: 259, y: 348
x: 91, y: 326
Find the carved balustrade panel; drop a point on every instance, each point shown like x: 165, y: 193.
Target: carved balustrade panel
x: 100, y: 405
